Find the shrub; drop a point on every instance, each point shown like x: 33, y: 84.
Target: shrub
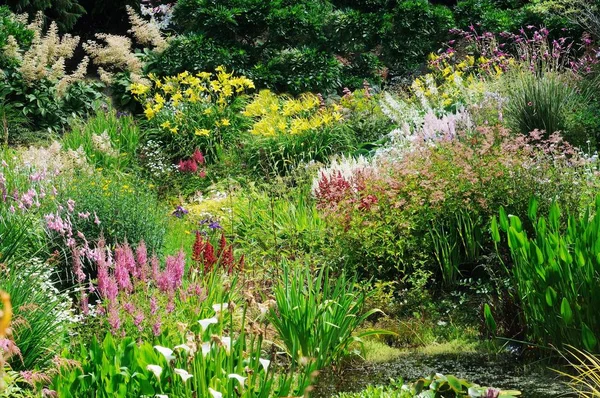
x: 425, y: 24
x: 299, y: 70
x: 197, y: 53
x: 432, y: 205
x: 554, y: 272
x: 64, y: 12
x: 117, y: 207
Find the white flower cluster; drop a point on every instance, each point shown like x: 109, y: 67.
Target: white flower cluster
x: 103, y: 144
x: 39, y: 276
x: 54, y: 160
x: 155, y: 160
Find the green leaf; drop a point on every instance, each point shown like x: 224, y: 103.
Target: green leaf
x: 489, y: 319
x: 550, y: 296
x: 565, y: 311
x: 533, y: 208
x: 589, y: 340
x: 454, y: 382
x: 494, y: 230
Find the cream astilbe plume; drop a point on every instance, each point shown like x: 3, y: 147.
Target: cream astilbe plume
x: 45, y: 58
x: 11, y: 49
x: 146, y: 33
x: 115, y: 54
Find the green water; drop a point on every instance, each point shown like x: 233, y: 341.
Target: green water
x: 504, y: 371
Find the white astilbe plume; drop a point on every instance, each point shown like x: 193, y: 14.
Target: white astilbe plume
x: 147, y: 33
x: 430, y: 130
x: 114, y: 53
x: 346, y: 167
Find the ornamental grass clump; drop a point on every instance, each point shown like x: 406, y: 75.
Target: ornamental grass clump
x: 316, y: 315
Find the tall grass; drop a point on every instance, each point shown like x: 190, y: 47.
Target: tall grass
x: 539, y: 101
x: 586, y: 379
x: 122, y: 131
x: 40, y: 313
x: 316, y: 317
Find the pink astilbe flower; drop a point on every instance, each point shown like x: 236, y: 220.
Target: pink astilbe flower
x: 153, y: 305
x: 141, y: 257
x: 77, y: 265
x: 114, y: 319
x: 124, y: 257
x: 122, y: 276
x: 156, y: 328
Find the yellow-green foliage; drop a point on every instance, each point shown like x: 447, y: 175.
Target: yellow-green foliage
x: 453, y: 82
x: 276, y: 115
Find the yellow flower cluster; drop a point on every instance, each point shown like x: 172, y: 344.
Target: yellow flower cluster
x: 282, y: 114
x: 451, y: 82
x: 178, y: 93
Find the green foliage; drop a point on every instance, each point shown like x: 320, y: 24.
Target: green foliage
x: 274, y: 226
x: 280, y: 155
x: 555, y: 273
x: 64, y: 12
x: 429, y: 208
x: 196, y: 52
x: 434, y: 386
x: 127, y: 209
x: 109, y: 139
x: 539, y: 102
x: 313, y: 45
x: 41, y: 313
x: 316, y: 316
x: 43, y: 105
x: 413, y: 29
x: 299, y: 70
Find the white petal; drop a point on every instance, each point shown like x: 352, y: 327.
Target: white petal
x: 265, y: 363
x: 184, y: 347
x: 157, y: 370
x: 183, y: 373
x: 227, y: 343
x: 161, y: 396
x: 205, y: 349
x: 166, y: 352
x: 204, y: 323
x: 214, y: 393
x: 240, y: 379
x: 220, y: 307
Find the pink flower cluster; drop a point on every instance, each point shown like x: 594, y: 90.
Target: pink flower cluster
x: 192, y: 165
x: 127, y: 272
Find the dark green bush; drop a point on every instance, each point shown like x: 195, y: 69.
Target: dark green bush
x: 413, y: 29
x: 197, y: 53
x: 298, y: 70
x: 64, y: 12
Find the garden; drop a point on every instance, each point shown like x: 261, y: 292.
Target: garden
x: 315, y: 198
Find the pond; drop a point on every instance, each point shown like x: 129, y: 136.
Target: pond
x: 505, y: 371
